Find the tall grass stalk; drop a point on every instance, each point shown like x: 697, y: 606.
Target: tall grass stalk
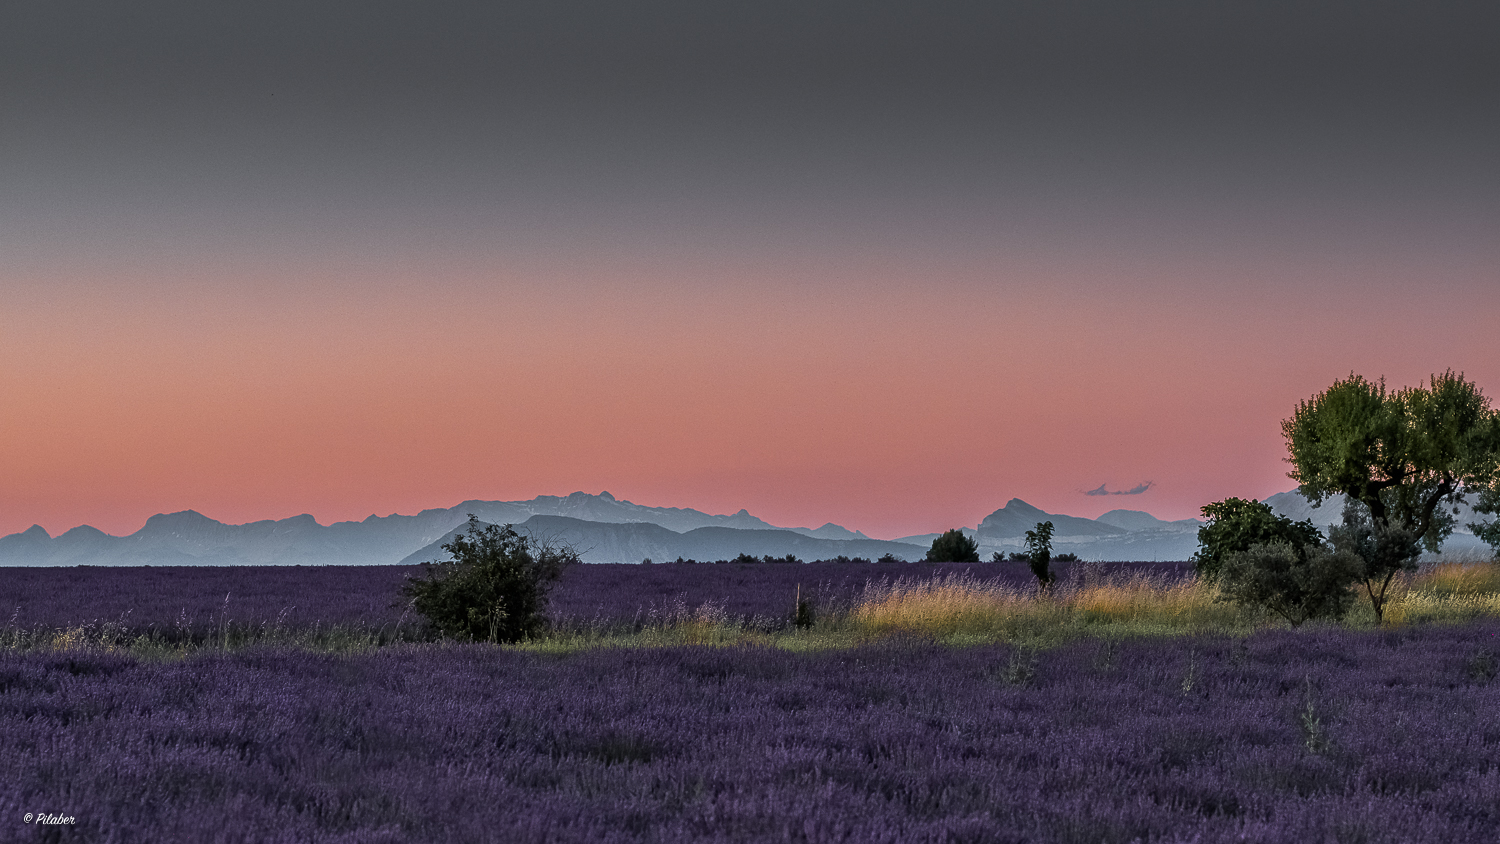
x: 962, y: 608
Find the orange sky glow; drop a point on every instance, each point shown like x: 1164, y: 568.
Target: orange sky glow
x: 807, y: 392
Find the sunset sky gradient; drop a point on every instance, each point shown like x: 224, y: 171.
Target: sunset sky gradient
x: 869, y: 263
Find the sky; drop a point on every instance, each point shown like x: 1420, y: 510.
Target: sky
x: 884, y: 264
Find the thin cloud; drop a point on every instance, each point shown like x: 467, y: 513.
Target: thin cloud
x: 1135, y: 490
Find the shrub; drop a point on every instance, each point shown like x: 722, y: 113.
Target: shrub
x: 1296, y: 586
x: 495, y: 587
x: 805, y: 614
x: 1068, y: 557
x: 1383, y: 550
x: 1039, y: 552
x: 889, y: 558
x: 1235, y: 524
x: 953, y: 547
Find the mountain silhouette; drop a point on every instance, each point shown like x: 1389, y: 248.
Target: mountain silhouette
x: 605, y: 529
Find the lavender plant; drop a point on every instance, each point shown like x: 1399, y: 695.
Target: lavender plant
x: 895, y: 742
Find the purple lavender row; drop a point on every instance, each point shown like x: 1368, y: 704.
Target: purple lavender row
x: 196, y: 597
x: 1321, y: 735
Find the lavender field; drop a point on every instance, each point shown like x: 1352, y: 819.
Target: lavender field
x: 1323, y: 734
x: 199, y: 600
x: 1313, y: 736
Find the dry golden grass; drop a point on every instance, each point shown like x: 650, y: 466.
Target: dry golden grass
x: 939, y: 606
x: 1447, y: 591
x: 963, y: 607
x: 1457, y: 578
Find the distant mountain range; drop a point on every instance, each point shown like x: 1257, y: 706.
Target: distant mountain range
x: 602, y: 527
x: 604, y: 530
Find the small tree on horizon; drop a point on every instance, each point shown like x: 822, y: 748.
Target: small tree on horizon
x: 953, y: 547
x: 495, y: 587
x: 1039, y: 552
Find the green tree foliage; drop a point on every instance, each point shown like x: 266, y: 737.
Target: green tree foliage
x: 1381, y: 551
x: 1406, y: 455
x: 1297, y: 585
x: 1488, y: 532
x: 953, y: 547
x: 1039, y: 552
x: 495, y: 587
x: 1234, y: 525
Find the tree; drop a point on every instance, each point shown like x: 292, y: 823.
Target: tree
x: 1234, y: 525
x: 1039, y: 552
x: 953, y: 547
x: 1297, y: 585
x: 1488, y: 532
x: 495, y: 587
x: 1406, y: 455
x: 1381, y: 551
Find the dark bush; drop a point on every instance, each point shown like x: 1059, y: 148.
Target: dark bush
x: 1068, y: 557
x: 495, y: 587
x: 806, y: 614
x: 1235, y: 524
x: 1296, y: 586
x: 953, y: 547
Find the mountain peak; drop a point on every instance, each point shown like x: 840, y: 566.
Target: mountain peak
x: 180, y: 518
x: 1021, y: 508
x: 1017, y: 517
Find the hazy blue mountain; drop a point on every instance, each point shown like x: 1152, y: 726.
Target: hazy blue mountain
x: 190, y: 538
x: 830, y: 531
x: 1292, y: 505
x: 603, y: 508
x: 1017, y: 517
x: 606, y: 529
x: 925, y: 539
x: 1125, y: 535
x: 1139, y: 520
x: 32, y: 540
x: 602, y: 542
